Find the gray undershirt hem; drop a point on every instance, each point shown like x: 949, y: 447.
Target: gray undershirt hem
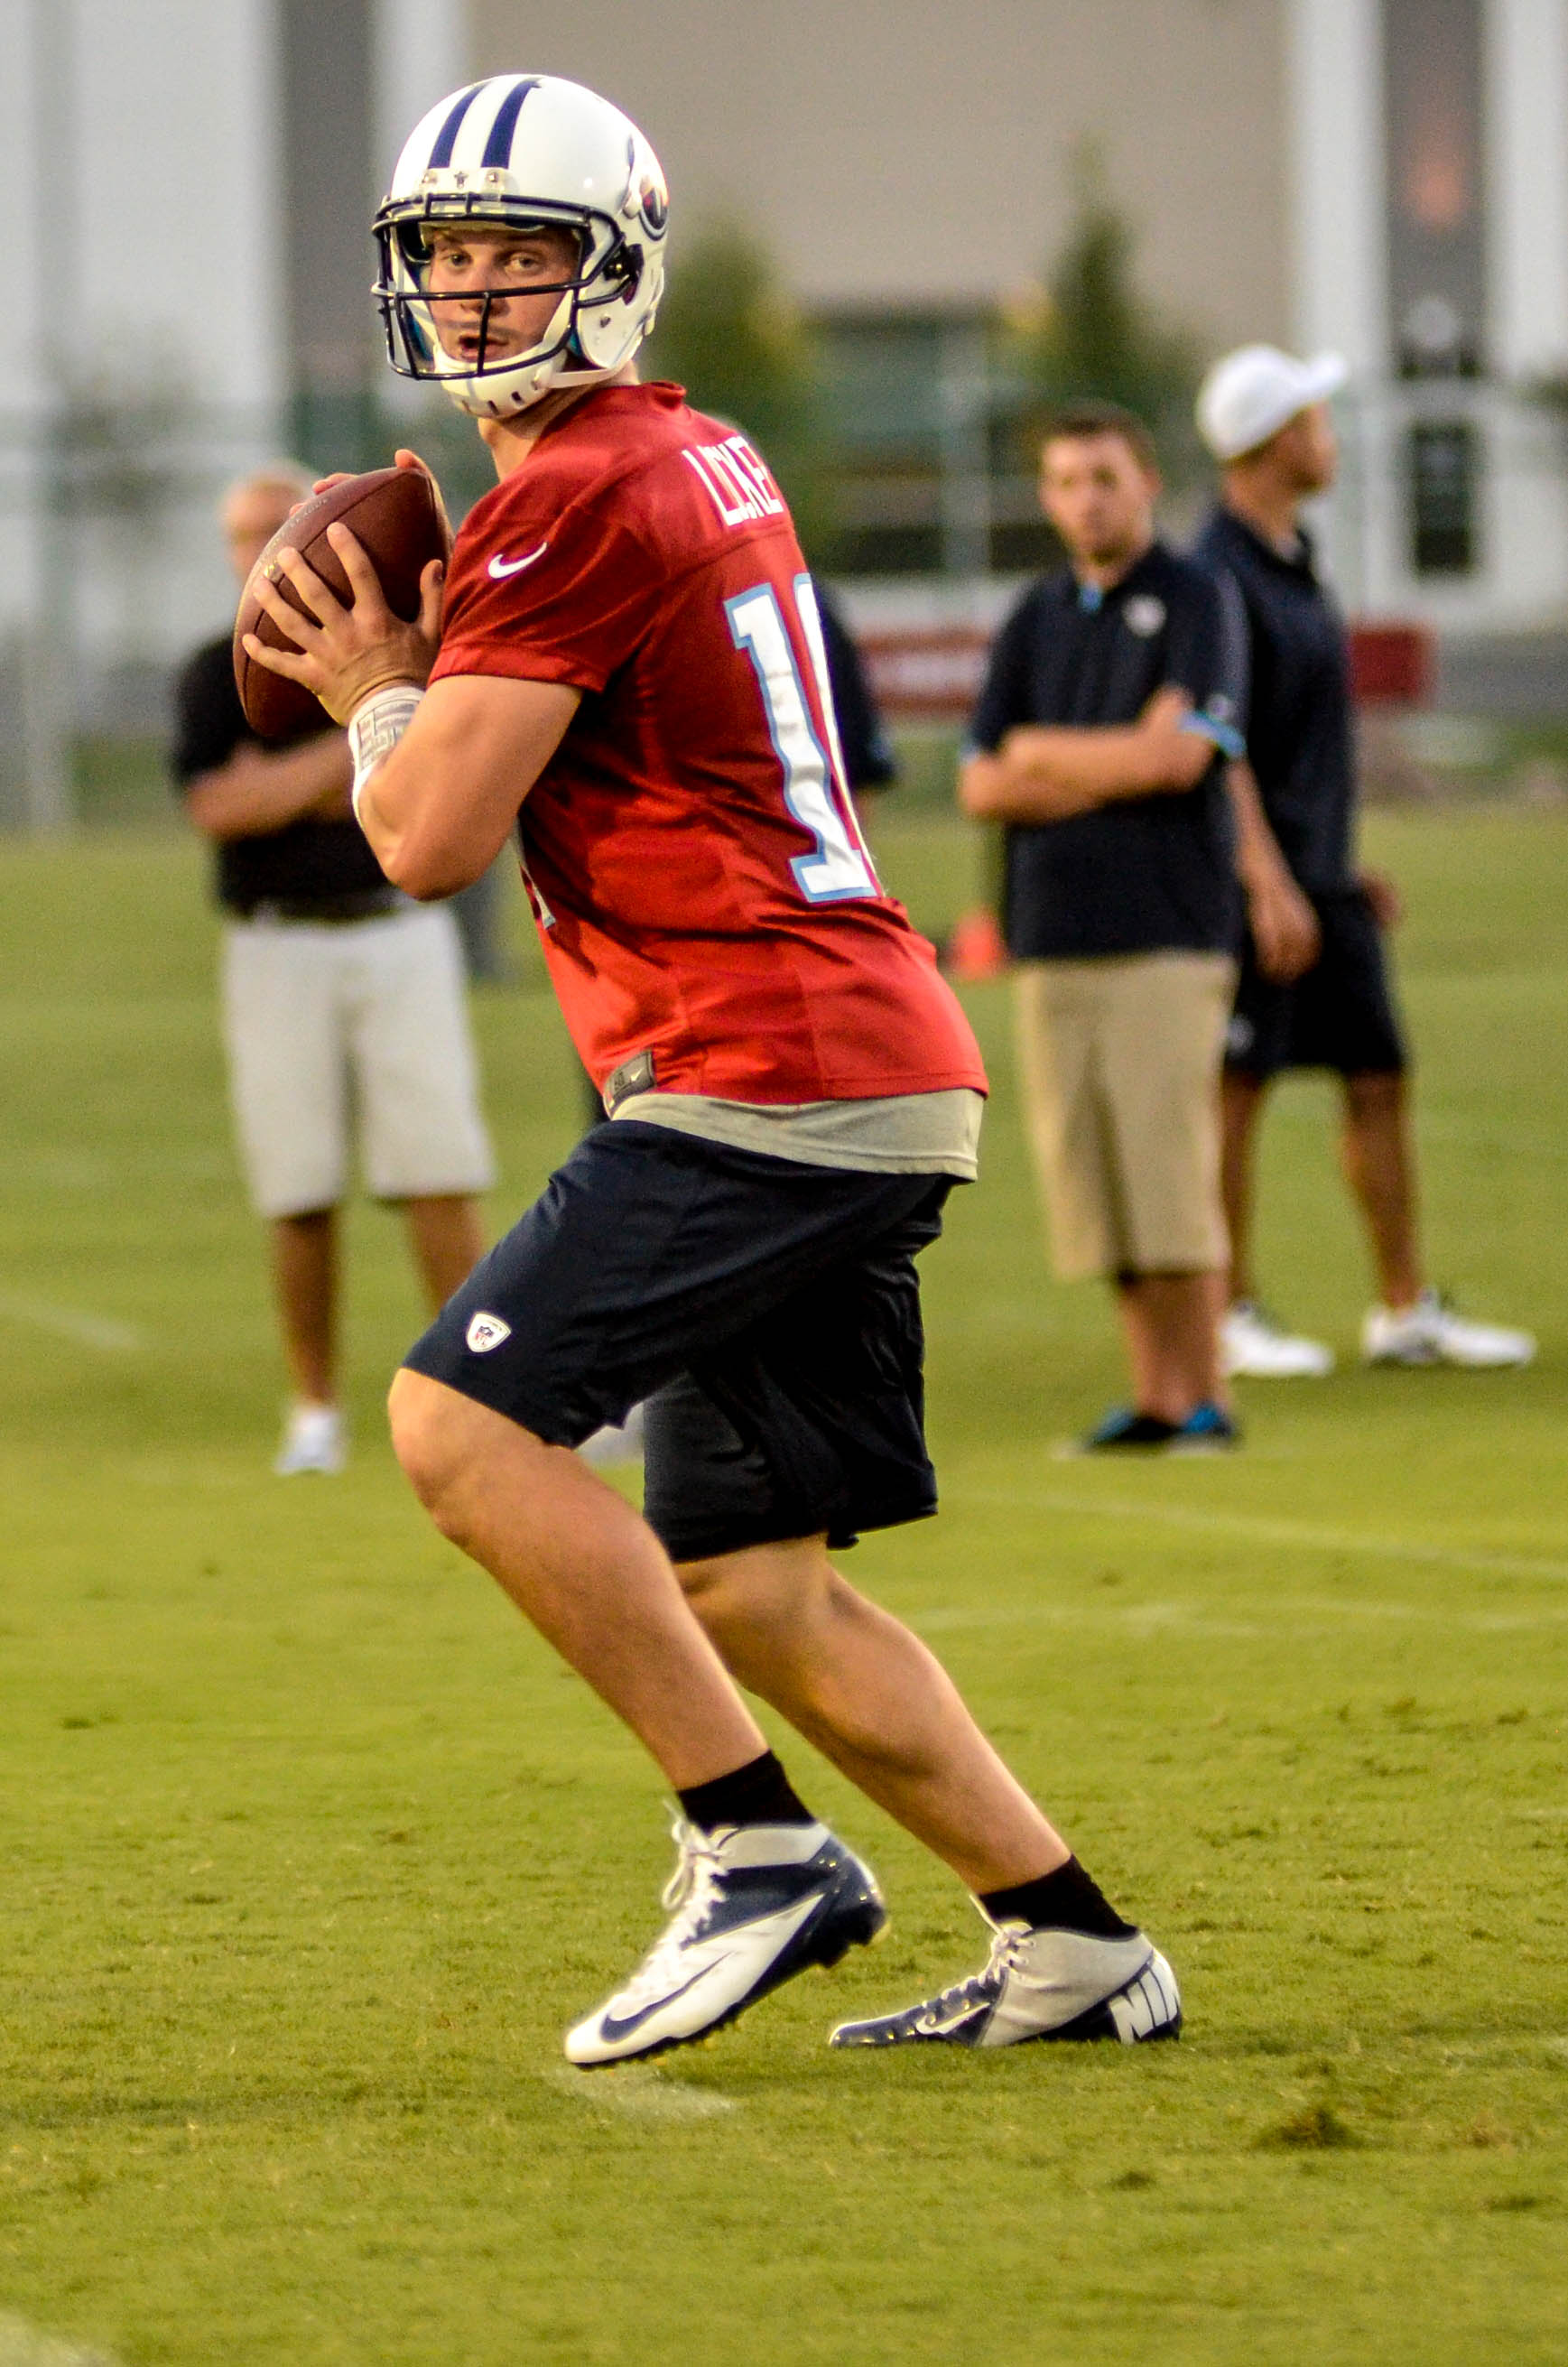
x: 898, y: 1133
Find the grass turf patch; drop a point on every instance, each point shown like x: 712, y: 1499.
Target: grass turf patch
x: 312, y: 1850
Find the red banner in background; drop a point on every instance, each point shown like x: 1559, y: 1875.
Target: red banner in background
x: 1391, y: 666
x: 930, y: 674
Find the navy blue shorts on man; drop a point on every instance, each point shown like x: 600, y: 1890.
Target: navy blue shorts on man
x: 766, y: 1312
x: 1340, y: 1015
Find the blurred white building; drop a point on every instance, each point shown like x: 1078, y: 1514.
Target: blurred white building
x: 189, y: 184
x: 185, y: 186
x: 1389, y: 177
x: 1429, y: 228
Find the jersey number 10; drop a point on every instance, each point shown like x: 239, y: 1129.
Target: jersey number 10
x: 813, y: 786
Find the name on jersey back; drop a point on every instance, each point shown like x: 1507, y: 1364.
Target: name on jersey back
x: 737, y: 481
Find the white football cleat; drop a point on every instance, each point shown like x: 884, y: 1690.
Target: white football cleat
x: 1041, y: 1984
x: 1253, y: 1346
x: 314, y: 1439
x: 750, y: 1907
x: 1431, y: 1333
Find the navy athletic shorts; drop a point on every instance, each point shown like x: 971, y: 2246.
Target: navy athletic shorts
x: 1340, y: 1015
x: 767, y: 1312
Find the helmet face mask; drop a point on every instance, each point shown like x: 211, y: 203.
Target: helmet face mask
x: 513, y: 155
x: 415, y: 321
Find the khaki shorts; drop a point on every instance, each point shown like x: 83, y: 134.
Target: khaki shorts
x: 338, y: 1028
x: 1120, y: 1067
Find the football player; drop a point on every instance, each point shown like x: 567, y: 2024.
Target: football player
x: 626, y: 667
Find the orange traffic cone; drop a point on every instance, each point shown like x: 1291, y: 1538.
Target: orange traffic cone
x: 975, y: 948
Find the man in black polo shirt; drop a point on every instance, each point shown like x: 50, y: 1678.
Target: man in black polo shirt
x: 342, y: 1003
x: 1264, y: 415
x: 1100, y: 740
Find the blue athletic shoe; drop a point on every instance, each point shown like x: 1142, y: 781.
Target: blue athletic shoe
x: 1208, y: 1430
x: 1127, y: 1428
x: 750, y: 1907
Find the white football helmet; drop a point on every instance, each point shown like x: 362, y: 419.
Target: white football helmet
x: 526, y: 151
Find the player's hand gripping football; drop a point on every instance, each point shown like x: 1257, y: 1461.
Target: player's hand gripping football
x: 345, y: 654
x: 403, y: 458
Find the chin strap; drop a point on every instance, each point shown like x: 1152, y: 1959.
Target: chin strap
x: 375, y: 728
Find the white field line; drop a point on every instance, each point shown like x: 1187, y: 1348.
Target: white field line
x: 1301, y: 1537
x: 637, y: 2088
x: 1287, y: 1614
x: 1144, y: 1619
x: 98, y: 1332
x: 22, y: 2346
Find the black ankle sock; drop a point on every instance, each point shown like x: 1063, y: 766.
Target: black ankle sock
x: 758, y: 1794
x: 1067, y: 1900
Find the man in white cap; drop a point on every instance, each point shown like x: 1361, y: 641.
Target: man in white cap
x: 1314, y: 989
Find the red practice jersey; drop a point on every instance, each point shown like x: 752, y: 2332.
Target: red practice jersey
x: 703, y: 891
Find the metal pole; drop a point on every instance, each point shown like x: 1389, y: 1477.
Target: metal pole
x: 49, y: 666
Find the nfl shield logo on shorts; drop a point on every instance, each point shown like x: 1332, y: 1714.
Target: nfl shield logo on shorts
x: 485, y: 1332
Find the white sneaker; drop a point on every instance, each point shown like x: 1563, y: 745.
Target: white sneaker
x: 1253, y: 1345
x: 1431, y: 1333
x: 314, y: 1439
x: 1055, y: 1985
x: 618, y: 1441
x: 750, y: 1907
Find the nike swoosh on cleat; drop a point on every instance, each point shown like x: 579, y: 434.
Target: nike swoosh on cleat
x: 611, y: 2029
x: 940, y: 2025
x: 501, y: 568
x: 778, y: 1929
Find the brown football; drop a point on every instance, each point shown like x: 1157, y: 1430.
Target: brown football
x: 398, y: 517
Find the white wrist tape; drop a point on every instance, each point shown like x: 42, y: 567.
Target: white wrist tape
x: 376, y: 728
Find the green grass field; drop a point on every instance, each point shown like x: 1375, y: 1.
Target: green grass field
x: 312, y: 1849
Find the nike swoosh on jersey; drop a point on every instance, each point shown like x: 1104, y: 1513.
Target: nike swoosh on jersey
x: 501, y: 568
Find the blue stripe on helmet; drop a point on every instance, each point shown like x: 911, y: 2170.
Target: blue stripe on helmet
x: 498, y: 147
x: 446, y: 137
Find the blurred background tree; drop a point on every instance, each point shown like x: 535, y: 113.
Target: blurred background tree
x: 1091, y: 331
x: 729, y: 333
x: 120, y: 460
x: 447, y: 440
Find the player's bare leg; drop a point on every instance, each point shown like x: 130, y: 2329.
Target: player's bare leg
x: 447, y: 1240
x: 1171, y: 1324
x: 304, y: 1265
x: 1379, y: 1162
x: 762, y: 1891
x: 854, y: 1681
x: 1380, y: 1167
x: 305, y: 1274
x: 1412, y: 1325
x: 1251, y: 1341
x: 874, y: 1699
x: 1241, y: 1106
x: 584, y: 1566
x: 757, y: 1900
